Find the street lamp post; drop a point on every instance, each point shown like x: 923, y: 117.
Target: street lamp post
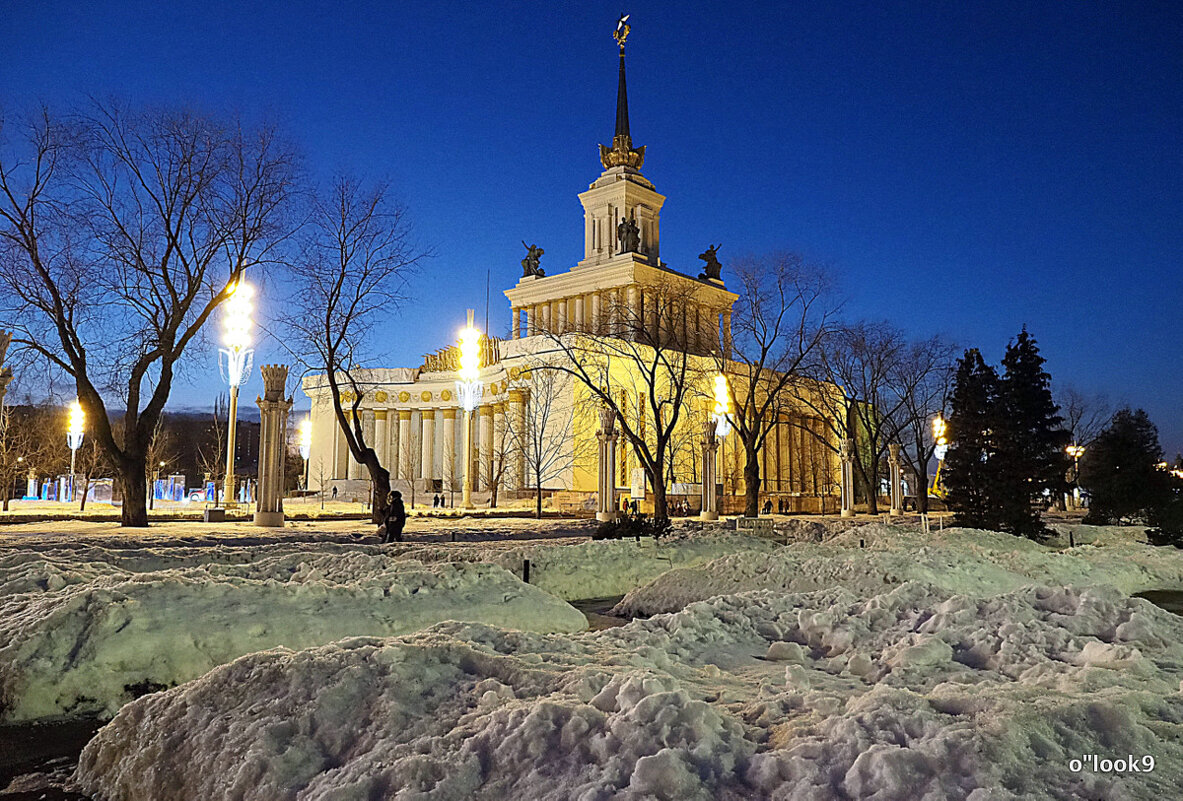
x: 74, y: 435
x: 236, y: 336
x: 941, y: 447
x: 468, y: 391
x: 721, y: 414
x: 1075, y: 451
x: 305, y: 446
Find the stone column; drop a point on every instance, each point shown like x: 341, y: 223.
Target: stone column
x: 632, y: 321
x: 579, y: 309
x: 531, y: 320
x: 895, y: 480
x: 846, y: 455
x: 710, y: 444
x: 517, y: 408
x: 273, y: 426
x: 559, y: 314
x: 544, y: 320
x: 381, y: 437
x: 450, y: 475
x: 404, y: 445
x: 595, y: 313
x: 427, y: 460
x: 486, y: 440
x: 651, y: 322
x: 727, y: 334
x: 606, y: 488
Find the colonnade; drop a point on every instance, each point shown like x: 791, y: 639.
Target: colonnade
x: 695, y: 327
x: 423, y: 443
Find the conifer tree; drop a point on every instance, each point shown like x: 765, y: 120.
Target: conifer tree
x: 1120, y: 469
x: 971, y: 469
x: 1031, y: 458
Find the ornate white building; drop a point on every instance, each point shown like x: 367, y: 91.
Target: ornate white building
x: 411, y: 415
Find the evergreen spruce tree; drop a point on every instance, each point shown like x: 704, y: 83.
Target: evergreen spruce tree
x: 1031, y: 459
x: 1119, y: 470
x: 971, y: 469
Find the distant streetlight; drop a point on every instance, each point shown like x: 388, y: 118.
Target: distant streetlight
x: 74, y: 434
x: 468, y: 391
x: 1075, y: 451
x: 305, y: 445
x: 236, y: 336
x: 940, y: 447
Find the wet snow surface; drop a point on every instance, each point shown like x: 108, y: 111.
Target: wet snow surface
x: 961, y: 665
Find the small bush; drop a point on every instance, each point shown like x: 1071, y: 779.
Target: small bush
x: 633, y: 525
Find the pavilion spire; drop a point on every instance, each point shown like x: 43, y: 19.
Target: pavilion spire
x: 622, y: 153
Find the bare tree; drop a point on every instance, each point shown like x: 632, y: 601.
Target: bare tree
x: 121, y: 232
x: 211, y: 453
x: 160, y: 453
x: 352, y: 278
x: 545, y: 436
x: 857, y: 361
x: 410, y: 458
x: 639, y: 366
x: 1085, y: 416
x: 921, y: 380
x: 20, y: 448
x: 779, y: 320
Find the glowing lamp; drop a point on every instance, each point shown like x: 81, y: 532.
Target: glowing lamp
x: 74, y: 429
x: 722, y: 411
x: 468, y: 385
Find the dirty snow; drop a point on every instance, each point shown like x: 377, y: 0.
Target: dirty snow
x: 911, y: 692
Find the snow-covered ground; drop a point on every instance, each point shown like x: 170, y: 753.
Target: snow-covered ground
x: 77, y: 638
x: 962, y: 560
x: 913, y: 692
x: 958, y: 664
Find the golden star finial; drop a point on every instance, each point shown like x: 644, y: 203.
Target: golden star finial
x: 622, y: 29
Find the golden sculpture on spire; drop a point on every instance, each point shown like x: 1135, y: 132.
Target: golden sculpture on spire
x: 622, y: 29
x: 622, y: 153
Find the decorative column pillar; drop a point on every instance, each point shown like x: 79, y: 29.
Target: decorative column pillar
x: 427, y: 462
x: 895, y: 480
x: 710, y: 444
x: 273, y: 426
x: 449, y: 465
x: 595, y: 313
x: 727, y: 334
x: 531, y: 320
x: 381, y: 437
x: 846, y: 456
x: 632, y: 322
x: 579, y: 308
x: 606, y: 488
x: 651, y: 321
x: 559, y: 314
x: 517, y: 408
x: 544, y: 321
x: 486, y: 440
x: 403, y: 458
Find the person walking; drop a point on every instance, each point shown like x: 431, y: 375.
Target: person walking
x: 396, y: 518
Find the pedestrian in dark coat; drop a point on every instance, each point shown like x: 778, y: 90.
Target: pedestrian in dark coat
x: 396, y: 518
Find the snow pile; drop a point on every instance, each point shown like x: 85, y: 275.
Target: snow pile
x: 88, y: 644
x: 961, y: 560
x: 602, y: 568
x: 911, y: 693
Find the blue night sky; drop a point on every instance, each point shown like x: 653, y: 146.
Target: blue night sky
x: 965, y: 168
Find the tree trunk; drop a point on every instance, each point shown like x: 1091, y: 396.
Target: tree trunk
x: 380, y: 481
x: 85, y: 489
x: 871, y: 492
x: 751, y: 482
x: 660, y: 507
x: 538, y: 508
x: 133, y: 478
x: 7, y: 488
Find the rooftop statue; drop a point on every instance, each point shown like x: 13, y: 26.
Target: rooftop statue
x: 629, y: 235
x: 622, y: 29
x: 713, y: 270
x: 530, y: 263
